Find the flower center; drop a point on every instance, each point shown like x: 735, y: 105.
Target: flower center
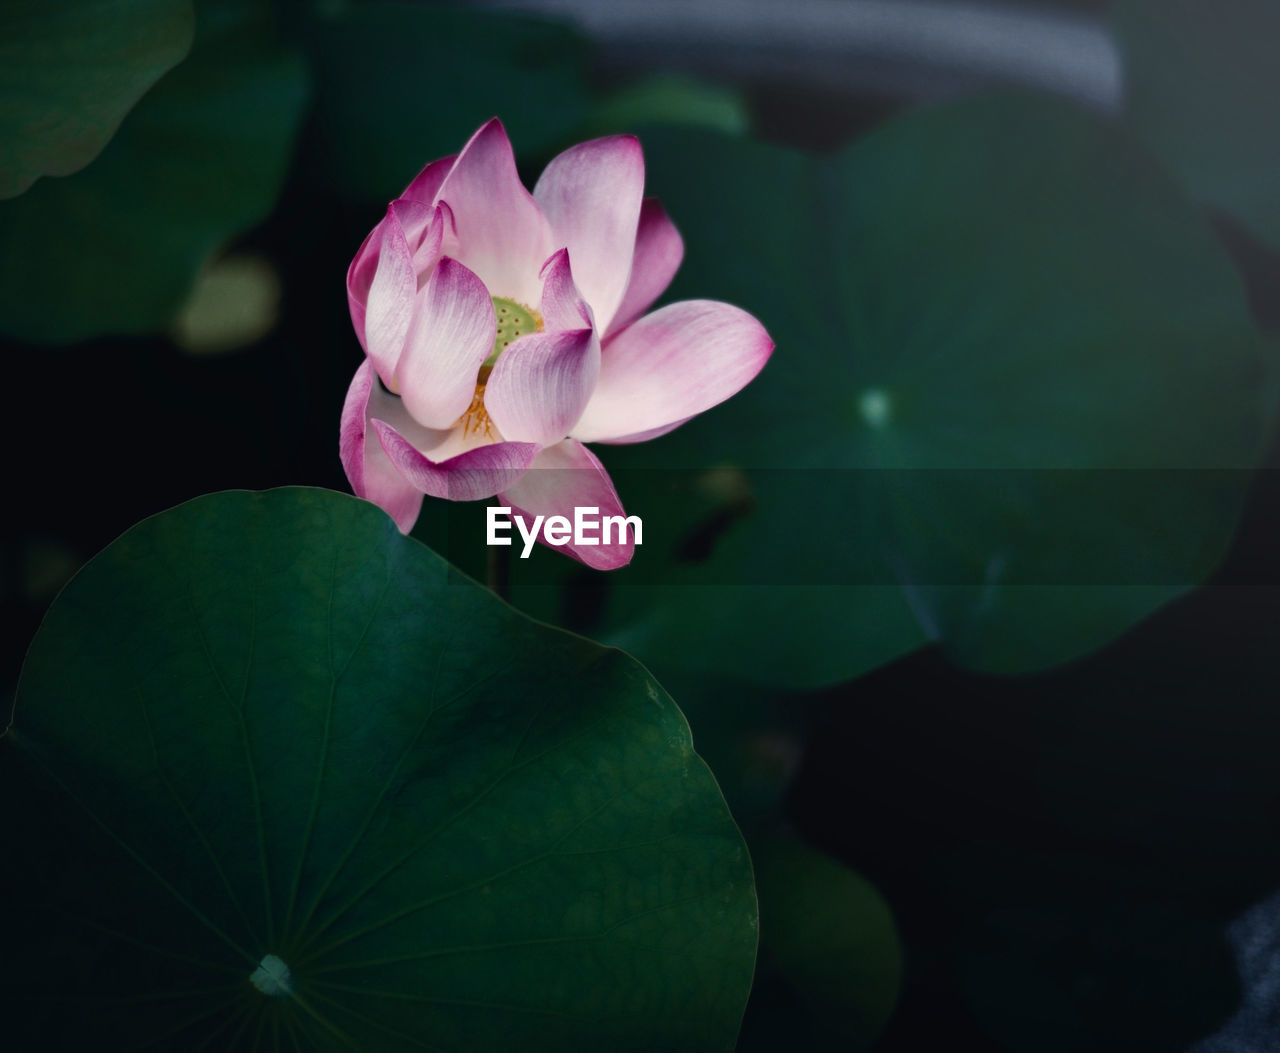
x: 272, y: 977
x: 514, y: 321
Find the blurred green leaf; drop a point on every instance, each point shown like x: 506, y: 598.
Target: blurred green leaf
x: 47, y: 564
x: 117, y: 247
x: 278, y: 728
x: 668, y: 99
x: 826, y: 932
x: 234, y: 304
x: 753, y: 744
x: 1201, y: 87
x: 1015, y: 399
x: 402, y: 84
x: 69, y: 72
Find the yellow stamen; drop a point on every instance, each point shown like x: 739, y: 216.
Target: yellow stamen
x: 514, y: 321
x: 476, y: 419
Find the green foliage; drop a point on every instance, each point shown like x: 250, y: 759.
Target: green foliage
x: 69, y: 72
x: 404, y: 84
x: 1201, y: 84
x: 234, y: 304
x: 279, y: 728
x: 667, y: 99
x: 116, y: 248
x: 1016, y: 400
x: 1014, y: 373
x: 830, y: 963
x: 826, y: 933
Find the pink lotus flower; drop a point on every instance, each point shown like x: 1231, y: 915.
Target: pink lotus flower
x: 506, y: 330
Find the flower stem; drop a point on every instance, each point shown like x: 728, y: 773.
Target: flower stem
x: 498, y: 574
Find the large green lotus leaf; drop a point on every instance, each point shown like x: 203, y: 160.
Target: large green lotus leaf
x: 1013, y: 406
x: 117, y: 247
x: 69, y: 72
x: 667, y: 98
x: 1202, y: 87
x: 268, y: 725
x: 403, y: 84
